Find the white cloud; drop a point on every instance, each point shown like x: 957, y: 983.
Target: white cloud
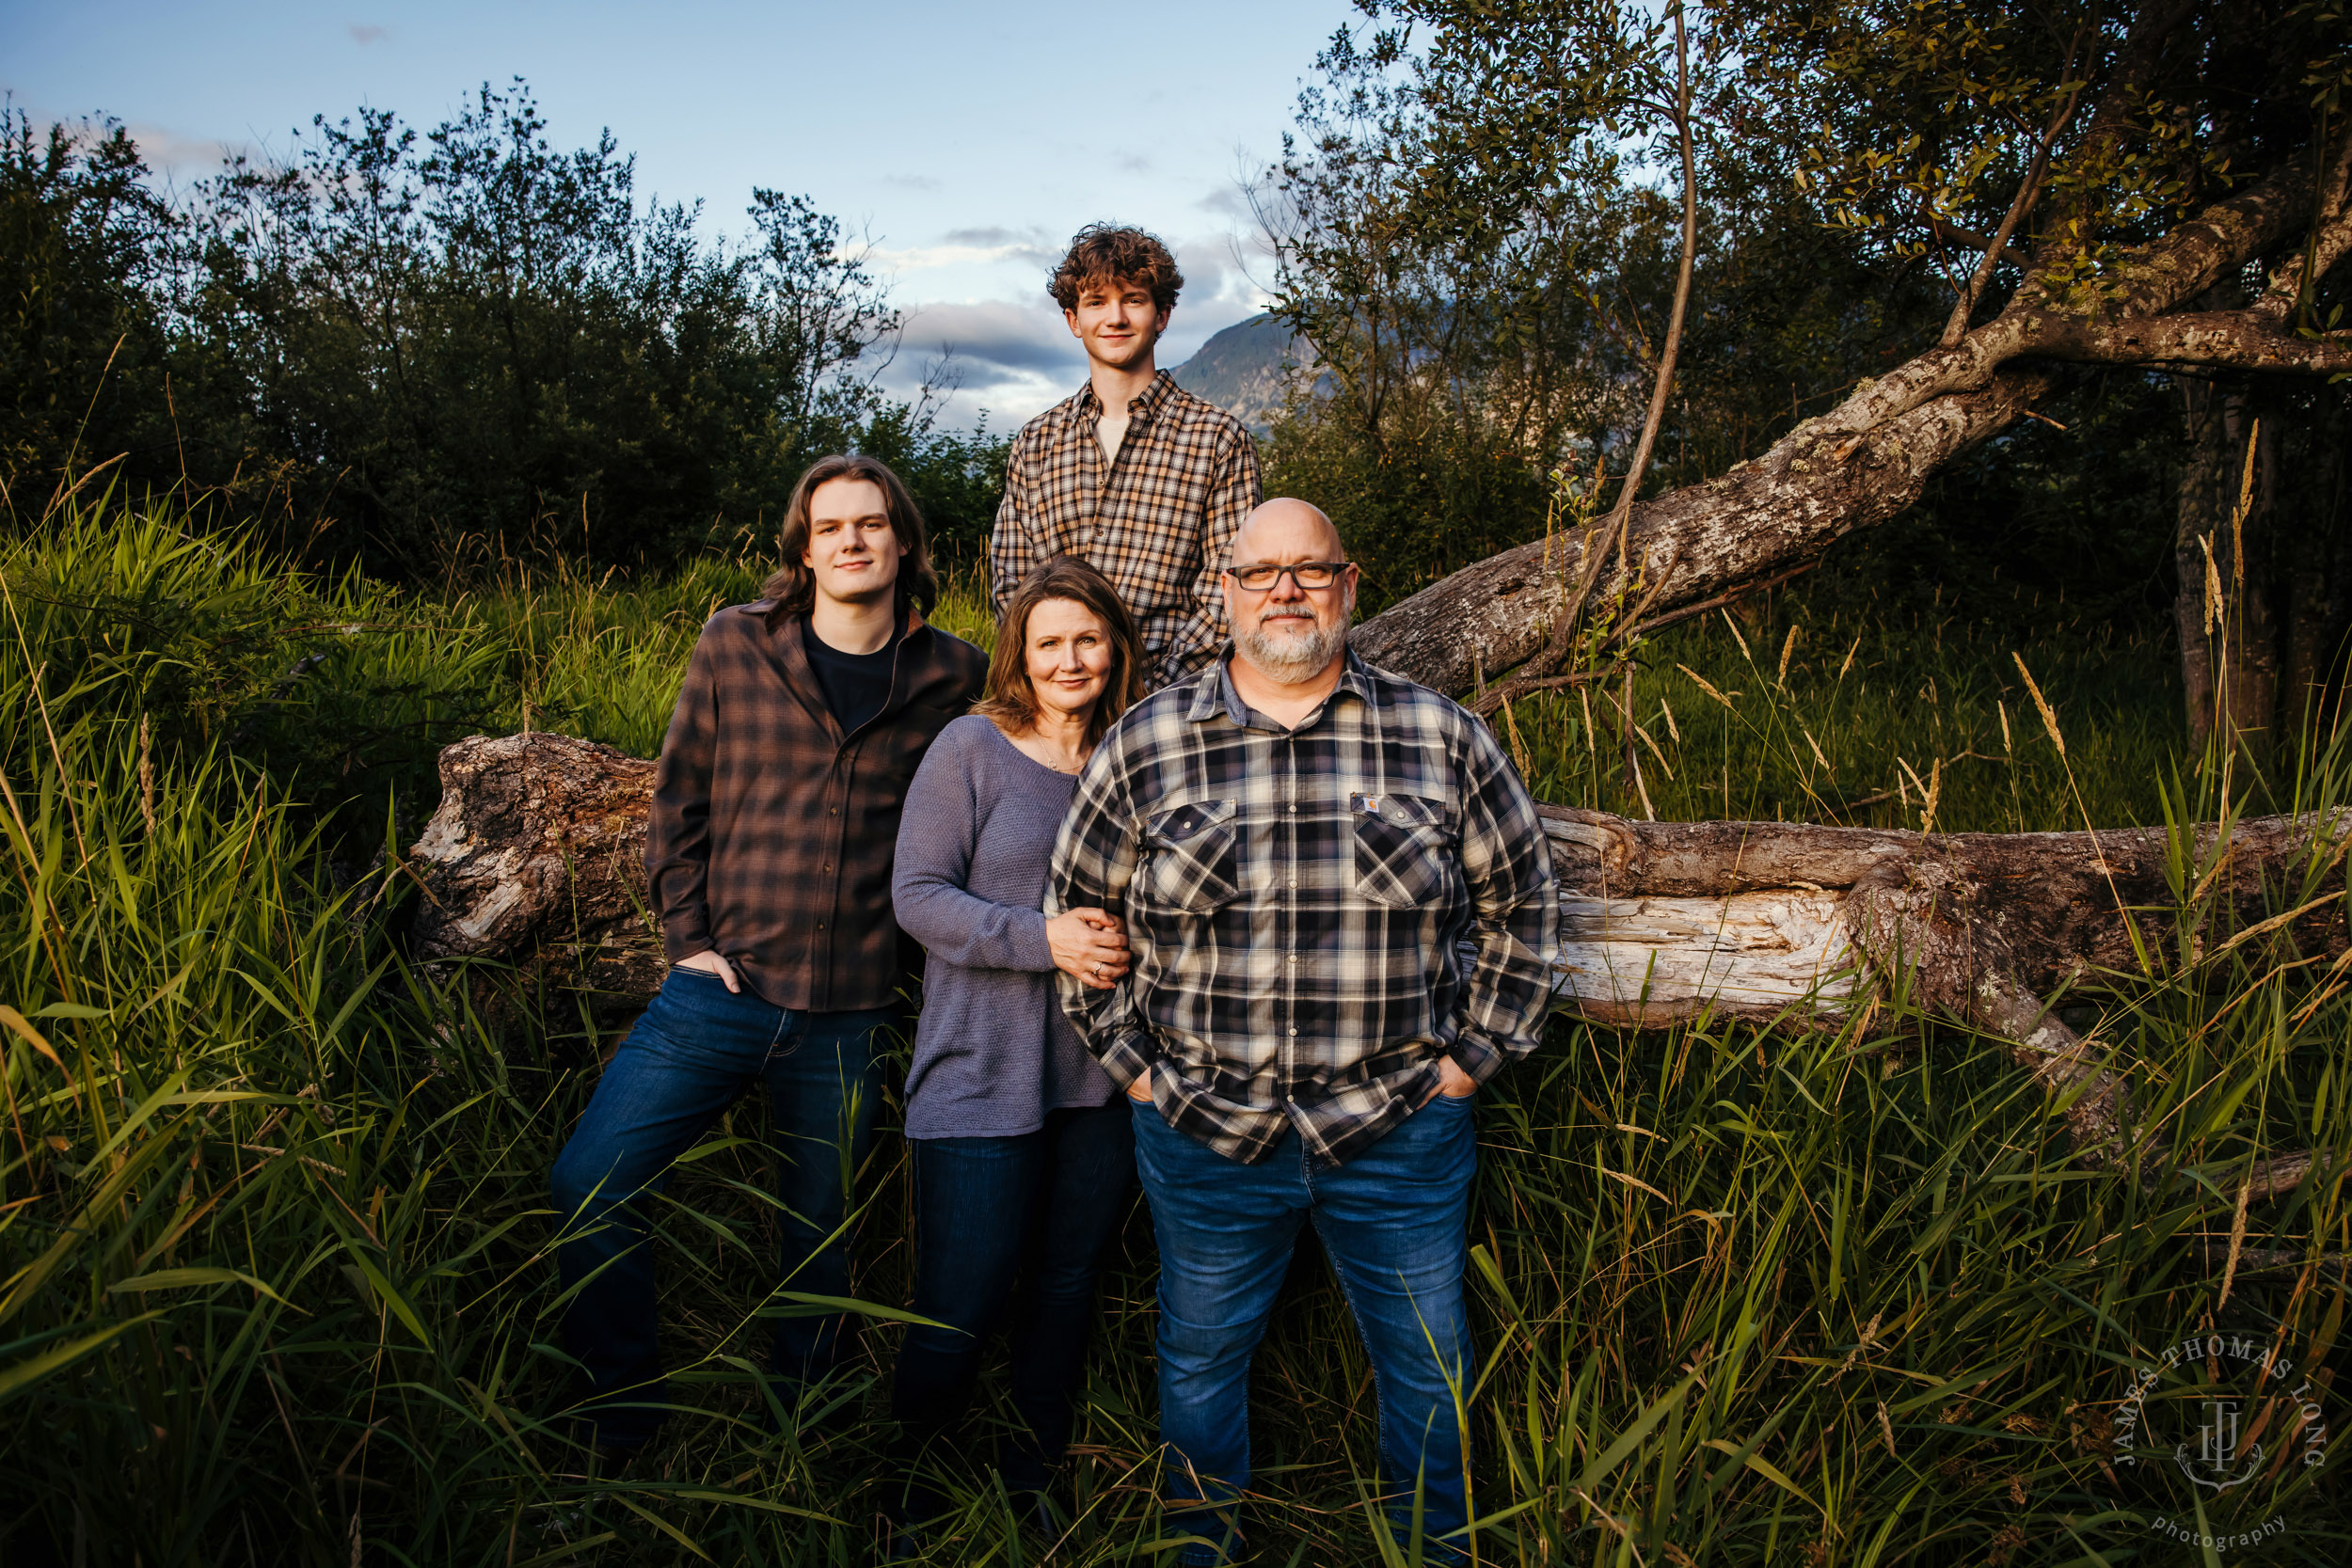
x: 922, y: 258
x: 995, y: 340
x: 1217, y: 277
x: 177, y: 157
x: 1010, y: 358
x: 365, y: 33
x: 967, y: 248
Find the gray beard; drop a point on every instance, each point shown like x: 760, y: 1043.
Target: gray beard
x: 1289, y: 658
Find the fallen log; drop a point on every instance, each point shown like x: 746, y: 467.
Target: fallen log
x: 1798, y: 923
x: 536, y: 860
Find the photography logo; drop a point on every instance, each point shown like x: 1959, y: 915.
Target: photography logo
x: 2222, y: 1460
x: 2219, y: 1431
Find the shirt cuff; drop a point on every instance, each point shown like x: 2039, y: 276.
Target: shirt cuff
x: 1032, y: 949
x: 1477, y: 1056
x: 1127, y: 1056
x: 685, y: 933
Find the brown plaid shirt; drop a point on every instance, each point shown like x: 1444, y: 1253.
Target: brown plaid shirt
x: 1157, y: 524
x: 773, y: 832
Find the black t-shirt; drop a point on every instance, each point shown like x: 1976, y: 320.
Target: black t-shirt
x: 855, y: 684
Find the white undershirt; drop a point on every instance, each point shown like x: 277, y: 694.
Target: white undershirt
x: 1108, y: 433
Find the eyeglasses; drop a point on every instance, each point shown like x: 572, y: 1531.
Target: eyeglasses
x: 1261, y: 578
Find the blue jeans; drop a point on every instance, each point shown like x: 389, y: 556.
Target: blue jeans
x: 1043, y: 1205
x: 1393, y: 1221
x: 697, y: 1047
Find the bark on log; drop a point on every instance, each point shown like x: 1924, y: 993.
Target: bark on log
x: 1795, y: 924
x: 536, y: 860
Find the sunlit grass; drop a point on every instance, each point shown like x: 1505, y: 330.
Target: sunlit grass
x: 274, y: 1277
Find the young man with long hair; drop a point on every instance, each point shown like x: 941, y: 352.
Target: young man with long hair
x: 775, y: 812
x: 1134, y: 474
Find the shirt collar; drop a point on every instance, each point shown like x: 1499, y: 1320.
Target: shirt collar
x: 773, y: 615
x: 1214, y: 692
x: 1139, y: 409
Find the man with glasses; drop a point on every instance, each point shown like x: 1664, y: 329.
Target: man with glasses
x: 1134, y: 475
x: 1342, y: 921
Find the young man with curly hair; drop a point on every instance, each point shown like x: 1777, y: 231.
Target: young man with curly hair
x: 1134, y: 475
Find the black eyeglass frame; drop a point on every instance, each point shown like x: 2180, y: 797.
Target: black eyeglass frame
x: 1291, y: 571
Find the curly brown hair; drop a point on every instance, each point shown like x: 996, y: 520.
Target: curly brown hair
x: 1120, y: 254
x: 794, y: 586
x: 1009, y: 698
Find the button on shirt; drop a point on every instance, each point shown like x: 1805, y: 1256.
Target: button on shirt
x: 1157, y: 520
x: 1316, y: 915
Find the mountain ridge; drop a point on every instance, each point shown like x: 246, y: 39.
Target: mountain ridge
x: 1243, y: 370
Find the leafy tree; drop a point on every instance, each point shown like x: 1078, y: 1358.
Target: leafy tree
x: 414, y: 350
x: 84, y: 240
x: 472, y: 335
x: 1935, y: 218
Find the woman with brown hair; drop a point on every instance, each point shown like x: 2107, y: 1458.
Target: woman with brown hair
x: 1023, y: 1158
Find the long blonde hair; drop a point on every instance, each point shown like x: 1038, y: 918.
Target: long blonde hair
x: 1010, y: 699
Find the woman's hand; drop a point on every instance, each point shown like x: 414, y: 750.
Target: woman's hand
x: 710, y: 962
x: 1091, y: 944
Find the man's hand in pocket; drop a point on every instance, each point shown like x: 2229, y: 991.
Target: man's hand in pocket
x: 710, y: 962
x: 1453, y: 1082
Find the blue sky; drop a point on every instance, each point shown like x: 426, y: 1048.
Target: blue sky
x: 967, y: 141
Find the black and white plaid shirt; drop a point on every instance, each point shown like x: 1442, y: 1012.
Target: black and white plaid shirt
x: 1316, y: 915
x: 1157, y: 521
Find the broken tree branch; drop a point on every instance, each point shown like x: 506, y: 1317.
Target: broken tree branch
x: 1855, y: 467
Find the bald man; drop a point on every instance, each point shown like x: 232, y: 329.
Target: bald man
x: 1342, y: 921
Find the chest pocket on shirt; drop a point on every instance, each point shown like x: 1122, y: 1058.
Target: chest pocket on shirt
x: 1404, y: 856
x: 1190, y: 858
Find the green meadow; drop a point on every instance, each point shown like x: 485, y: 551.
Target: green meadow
x: 275, y: 1282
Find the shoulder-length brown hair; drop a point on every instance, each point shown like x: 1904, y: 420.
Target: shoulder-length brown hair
x: 794, y: 586
x: 1010, y: 699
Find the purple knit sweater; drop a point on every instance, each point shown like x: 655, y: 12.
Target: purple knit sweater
x: 992, y: 1050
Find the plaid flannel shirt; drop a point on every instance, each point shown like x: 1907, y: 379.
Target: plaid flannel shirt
x: 1157, y: 523
x: 772, y: 832
x: 1316, y: 915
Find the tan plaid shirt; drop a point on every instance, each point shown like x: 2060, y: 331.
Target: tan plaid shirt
x: 1157, y: 524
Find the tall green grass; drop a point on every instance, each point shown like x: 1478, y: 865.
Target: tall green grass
x: 275, y: 1283
x: 1801, y: 718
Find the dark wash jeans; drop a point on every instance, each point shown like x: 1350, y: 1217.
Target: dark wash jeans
x: 1392, y: 1223
x: 1043, y: 1205
x: 697, y: 1047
